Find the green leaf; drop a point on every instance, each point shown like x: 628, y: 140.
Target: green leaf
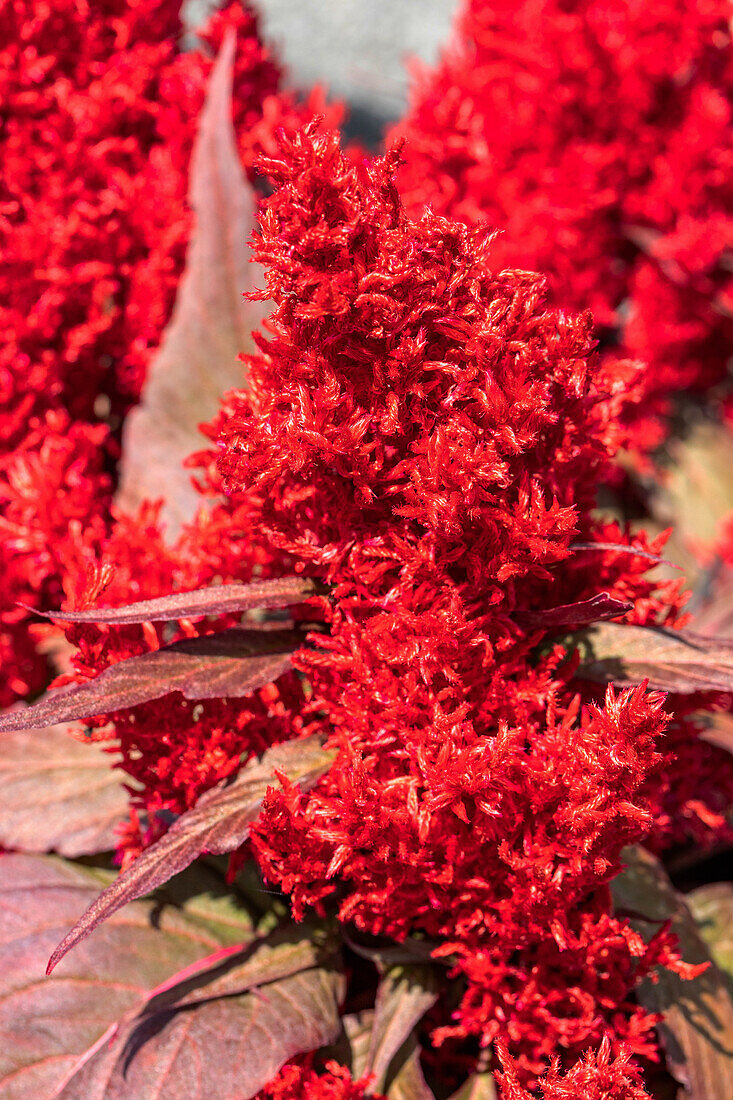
x: 712, y: 908
x: 697, y: 1027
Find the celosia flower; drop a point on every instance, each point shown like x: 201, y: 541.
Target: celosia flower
x: 596, y: 137
x: 423, y: 433
x: 425, y: 437
x: 299, y: 1080
x: 54, y: 492
x: 600, y: 1075
x: 98, y: 113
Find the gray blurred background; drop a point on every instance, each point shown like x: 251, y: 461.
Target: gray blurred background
x: 358, y: 48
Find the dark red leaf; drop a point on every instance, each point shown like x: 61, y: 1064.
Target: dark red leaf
x: 385, y: 953
x: 216, y: 666
x: 221, y: 1046
x: 218, y: 599
x: 48, y: 1026
x: 58, y: 794
x: 289, y: 950
x: 218, y: 823
x: 211, y: 324
x: 602, y: 606
x: 620, y: 548
x: 351, y: 1048
x: 671, y: 660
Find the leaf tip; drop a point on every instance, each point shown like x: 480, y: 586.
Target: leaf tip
x: 69, y: 941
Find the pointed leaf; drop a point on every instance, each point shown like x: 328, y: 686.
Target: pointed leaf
x: 384, y: 953
x: 480, y: 1086
x: 218, y: 599
x: 220, y: 910
x: 602, y: 606
x: 59, y: 794
x: 406, y: 1076
x: 671, y: 660
x: 697, y: 1029
x: 289, y: 949
x: 405, y: 994
x: 47, y: 1026
x: 211, y: 323
x: 712, y: 908
x: 216, y: 666
x: 351, y: 1048
x: 218, y: 823
x: 622, y: 548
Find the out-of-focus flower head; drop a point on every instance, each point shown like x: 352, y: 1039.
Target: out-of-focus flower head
x: 596, y: 137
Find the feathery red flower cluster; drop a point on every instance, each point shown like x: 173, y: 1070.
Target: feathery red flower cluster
x: 598, y: 1076
x: 425, y: 436
x: 296, y: 1081
x: 98, y: 112
x: 596, y: 137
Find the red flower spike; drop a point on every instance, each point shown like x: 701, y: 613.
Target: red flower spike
x: 425, y: 438
x: 596, y: 136
x: 298, y: 1079
x: 599, y: 1075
